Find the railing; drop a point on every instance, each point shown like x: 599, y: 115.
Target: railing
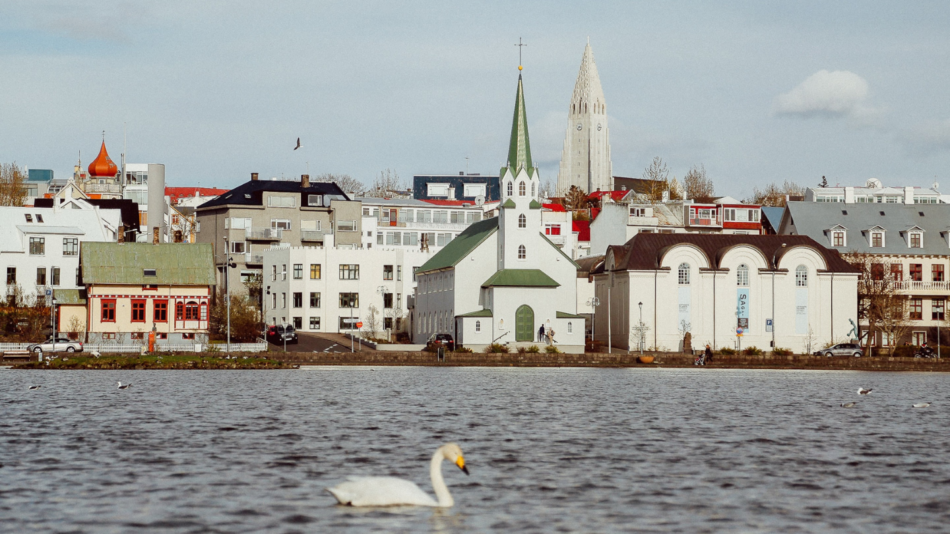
x: 265, y: 234
x: 102, y: 188
x: 13, y: 346
x: 704, y: 222
x: 254, y: 259
x: 914, y: 285
x: 556, y: 239
x: 312, y: 235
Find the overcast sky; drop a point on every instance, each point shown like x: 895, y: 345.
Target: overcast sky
x: 756, y: 91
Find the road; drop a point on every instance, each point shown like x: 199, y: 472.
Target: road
x: 312, y: 343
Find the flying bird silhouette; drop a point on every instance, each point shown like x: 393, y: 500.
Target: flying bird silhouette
x: 298, y: 144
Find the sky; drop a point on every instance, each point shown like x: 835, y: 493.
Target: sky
x: 757, y: 92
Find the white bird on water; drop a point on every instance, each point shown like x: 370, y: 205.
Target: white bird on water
x: 391, y: 491
x: 862, y: 391
x: 922, y: 405
x: 127, y: 386
x: 35, y: 387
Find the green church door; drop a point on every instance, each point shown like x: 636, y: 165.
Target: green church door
x: 524, y: 324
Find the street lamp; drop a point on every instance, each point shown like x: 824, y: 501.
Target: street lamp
x: 641, y: 328
x: 227, y: 284
x: 593, y: 302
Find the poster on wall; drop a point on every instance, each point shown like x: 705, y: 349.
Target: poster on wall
x: 742, y: 308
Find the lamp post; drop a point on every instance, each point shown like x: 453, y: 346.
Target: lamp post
x: 593, y: 302
x: 640, y: 341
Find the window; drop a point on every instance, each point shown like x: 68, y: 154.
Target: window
x: 280, y: 224
x: 801, y: 276
x: 29, y: 218
x: 552, y: 229
x: 298, y: 300
x: 522, y: 221
x: 570, y: 328
x: 315, y: 200
x: 70, y: 246
x: 387, y: 300
x: 387, y: 272
x: 916, y: 240
x: 283, y: 300
x: 399, y: 273
x: 11, y: 276
x: 349, y: 300
x: 108, y: 310
x: 838, y: 239
x: 111, y: 335
x: 138, y: 311
x: 314, y: 299
x: 298, y: 271
x: 314, y: 271
x: 877, y: 239
x: 937, y: 307
x: 437, y: 190
x: 191, y: 310
x: 37, y: 246
x: 281, y: 202
x: 511, y: 188
x: 639, y: 212
x: 474, y: 190
x: 346, y: 226
x: 54, y: 275
x: 349, y: 271
x: 149, y: 272
x: 521, y: 189
x: 160, y: 311
x: 138, y: 335
x: 877, y: 271
x: 742, y: 275
x: 273, y: 273
x: 478, y: 326
x: 916, y: 309
x: 897, y: 271
x: 298, y: 323
x: 238, y: 247
x: 521, y: 252
x: 918, y: 338
x: 283, y: 271
x: 41, y: 276
x: 315, y: 323
x: 916, y: 272
x: 937, y: 272
x: 683, y: 274
x: 440, y: 216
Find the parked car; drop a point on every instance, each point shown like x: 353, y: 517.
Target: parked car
x: 441, y: 339
x: 842, y: 349
x: 277, y: 334
x: 61, y: 344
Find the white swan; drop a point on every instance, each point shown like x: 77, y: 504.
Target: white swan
x: 391, y: 491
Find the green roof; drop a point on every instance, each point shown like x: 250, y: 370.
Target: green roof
x: 183, y: 264
x: 565, y: 315
x: 535, y: 205
x: 479, y: 313
x: 461, y: 246
x: 520, y: 278
x: 519, y: 149
x: 65, y: 297
x: 509, y: 204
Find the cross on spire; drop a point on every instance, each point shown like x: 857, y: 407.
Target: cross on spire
x: 520, y: 45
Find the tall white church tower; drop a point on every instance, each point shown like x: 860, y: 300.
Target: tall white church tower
x: 585, y: 161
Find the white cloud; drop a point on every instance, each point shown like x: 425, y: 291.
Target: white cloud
x: 835, y: 94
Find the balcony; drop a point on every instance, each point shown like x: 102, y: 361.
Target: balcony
x: 704, y: 223
x: 263, y: 234
x: 556, y: 239
x: 254, y: 259
x: 917, y: 286
x: 312, y: 235
x: 100, y: 189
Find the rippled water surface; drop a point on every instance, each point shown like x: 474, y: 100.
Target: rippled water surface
x: 591, y: 450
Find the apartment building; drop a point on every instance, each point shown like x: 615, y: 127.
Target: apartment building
x: 873, y: 192
x: 408, y: 223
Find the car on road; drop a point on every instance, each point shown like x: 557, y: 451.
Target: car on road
x: 441, y: 339
x: 60, y: 344
x: 842, y: 349
x: 277, y: 334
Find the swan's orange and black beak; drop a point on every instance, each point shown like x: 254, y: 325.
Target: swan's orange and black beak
x: 461, y: 463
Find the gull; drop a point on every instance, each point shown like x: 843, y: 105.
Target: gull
x: 127, y: 386
x: 849, y: 405
x: 298, y: 144
x: 918, y: 405
x: 35, y: 387
x: 862, y: 391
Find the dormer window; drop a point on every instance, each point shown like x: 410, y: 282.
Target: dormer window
x: 876, y: 237
x: 837, y: 238
x: 916, y: 240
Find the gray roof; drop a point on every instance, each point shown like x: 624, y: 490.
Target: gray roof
x: 816, y: 219
x: 773, y: 215
x: 410, y: 202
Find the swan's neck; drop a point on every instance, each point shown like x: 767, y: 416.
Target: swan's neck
x: 438, y: 484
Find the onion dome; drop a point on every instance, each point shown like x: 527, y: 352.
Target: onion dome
x: 103, y: 164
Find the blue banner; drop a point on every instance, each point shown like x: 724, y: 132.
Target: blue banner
x: 742, y: 307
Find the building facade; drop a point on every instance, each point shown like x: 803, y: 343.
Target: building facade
x: 468, y: 187
x: 413, y: 224
x: 873, y: 192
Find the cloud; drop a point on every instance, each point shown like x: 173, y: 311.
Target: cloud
x: 926, y: 139
x: 835, y: 94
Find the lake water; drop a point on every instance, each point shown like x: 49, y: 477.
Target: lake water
x: 573, y: 450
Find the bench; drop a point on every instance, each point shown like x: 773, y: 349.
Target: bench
x: 21, y: 354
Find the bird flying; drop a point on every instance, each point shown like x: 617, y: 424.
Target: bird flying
x: 298, y: 144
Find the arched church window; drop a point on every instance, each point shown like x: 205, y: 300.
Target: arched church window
x: 521, y: 189
x: 532, y: 189
x: 522, y: 221
x: 570, y: 328
x: 683, y: 274
x: 478, y: 326
x: 511, y: 188
x: 742, y: 275
x: 801, y: 276
x: 521, y: 252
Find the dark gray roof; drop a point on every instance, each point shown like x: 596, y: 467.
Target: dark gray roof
x: 815, y: 220
x: 251, y: 193
x: 773, y: 215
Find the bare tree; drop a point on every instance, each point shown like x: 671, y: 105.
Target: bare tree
x: 658, y: 174
x: 878, y: 301
x: 385, y: 184
x: 548, y: 188
x: 775, y: 195
x: 372, y: 320
x: 698, y: 186
x: 346, y: 182
x: 12, y: 184
x: 673, y: 186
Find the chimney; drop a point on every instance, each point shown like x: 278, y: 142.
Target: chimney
x: 253, y: 176
x: 155, y: 235
x: 121, y: 234
x: 304, y: 181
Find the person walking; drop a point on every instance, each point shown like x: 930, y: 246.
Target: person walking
x: 708, y: 355
x: 541, y: 334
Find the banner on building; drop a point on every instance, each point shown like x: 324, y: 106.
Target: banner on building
x: 742, y: 308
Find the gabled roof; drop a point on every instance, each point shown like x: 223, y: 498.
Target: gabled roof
x: 186, y: 264
x: 479, y: 313
x: 773, y: 216
x: 461, y: 246
x: 520, y: 278
x: 251, y: 193
x: 175, y: 194
x: 554, y: 207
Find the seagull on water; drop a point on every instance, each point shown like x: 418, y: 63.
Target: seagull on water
x: 35, y: 387
x: 127, y: 386
x: 862, y: 391
x: 298, y: 144
x: 922, y: 405
x: 849, y: 405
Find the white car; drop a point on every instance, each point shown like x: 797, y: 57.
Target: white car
x: 61, y: 344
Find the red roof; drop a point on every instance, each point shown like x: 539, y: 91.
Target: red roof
x: 553, y: 207
x: 176, y: 193
x: 616, y: 195
x: 583, y: 230
x: 439, y: 202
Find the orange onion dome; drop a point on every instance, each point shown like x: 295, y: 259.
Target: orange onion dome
x: 103, y: 164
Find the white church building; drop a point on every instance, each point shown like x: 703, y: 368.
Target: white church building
x: 501, y: 279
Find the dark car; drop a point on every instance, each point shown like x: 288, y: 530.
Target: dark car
x: 842, y: 349
x: 441, y: 339
x: 280, y: 333
x: 61, y: 344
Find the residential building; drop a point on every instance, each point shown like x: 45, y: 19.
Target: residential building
x: 873, y: 192
x: 330, y: 289
x: 733, y: 291
x: 468, y: 187
x: 132, y: 288
x: 501, y: 279
x: 410, y: 224
x: 910, y: 244
x: 261, y: 214
x: 192, y: 196
x: 37, y: 184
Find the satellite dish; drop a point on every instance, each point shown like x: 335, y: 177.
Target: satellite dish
x: 480, y: 200
x: 874, y: 183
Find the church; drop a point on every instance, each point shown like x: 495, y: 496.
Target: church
x: 501, y: 279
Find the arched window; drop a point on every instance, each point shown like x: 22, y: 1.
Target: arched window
x: 801, y: 276
x: 522, y: 221
x: 570, y: 328
x: 683, y: 274
x: 180, y: 309
x: 521, y: 189
x: 511, y: 188
x: 478, y: 326
x: 532, y: 188
x: 585, y: 108
x: 742, y: 275
x: 521, y: 252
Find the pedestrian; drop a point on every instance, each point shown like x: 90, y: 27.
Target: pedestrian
x: 550, y: 333
x: 541, y: 334
x: 708, y: 355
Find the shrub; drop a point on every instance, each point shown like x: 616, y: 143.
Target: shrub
x: 522, y: 350
x: 533, y: 349
x: 906, y: 351
x: 778, y: 351
x: 496, y: 348
x: 551, y: 349
x: 751, y: 351
x: 462, y: 349
x: 727, y: 351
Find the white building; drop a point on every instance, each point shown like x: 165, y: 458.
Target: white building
x: 874, y: 192
x: 786, y: 289
x: 330, y: 289
x: 39, y: 247
x: 501, y: 279
x: 406, y: 223
x: 585, y: 161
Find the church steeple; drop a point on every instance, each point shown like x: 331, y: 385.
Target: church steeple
x: 519, y: 148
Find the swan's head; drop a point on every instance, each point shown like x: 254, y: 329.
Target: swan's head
x: 453, y: 453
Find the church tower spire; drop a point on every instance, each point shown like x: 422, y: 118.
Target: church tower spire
x: 585, y: 161
x: 519, y: 148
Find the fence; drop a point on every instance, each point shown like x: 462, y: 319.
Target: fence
x: 260, y: 346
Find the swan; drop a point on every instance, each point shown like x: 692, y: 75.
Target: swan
x: 391, y: 491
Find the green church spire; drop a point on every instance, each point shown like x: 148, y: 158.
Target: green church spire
x: 519, y: 150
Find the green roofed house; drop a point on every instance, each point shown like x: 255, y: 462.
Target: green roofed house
x: 501, y: 280
x: 132, y: 288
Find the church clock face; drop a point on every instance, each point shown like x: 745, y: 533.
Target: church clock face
x: 579, y: 127
x: 599, y: 127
